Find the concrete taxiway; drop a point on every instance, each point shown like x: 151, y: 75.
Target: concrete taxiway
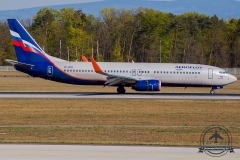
x: 104, y: 152
x: 110, y: 95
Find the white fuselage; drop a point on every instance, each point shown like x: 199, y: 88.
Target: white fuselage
x: 176, y: 74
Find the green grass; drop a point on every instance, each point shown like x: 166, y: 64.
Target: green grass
x: 114, y: 121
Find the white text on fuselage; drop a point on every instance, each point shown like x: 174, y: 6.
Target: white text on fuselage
x: 188, y: 67
x: 68, y: 66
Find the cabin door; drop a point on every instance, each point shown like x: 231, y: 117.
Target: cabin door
x: 210, y: 73
x: 50, y: 71
x: 139, y: 72
x: 133, y: 72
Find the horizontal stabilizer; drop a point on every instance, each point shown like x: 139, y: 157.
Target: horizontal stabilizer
x: 19, y: 64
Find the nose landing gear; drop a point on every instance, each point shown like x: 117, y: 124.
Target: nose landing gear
x: 212, y: 91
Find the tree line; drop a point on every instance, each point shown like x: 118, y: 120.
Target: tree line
x: 123, y: 35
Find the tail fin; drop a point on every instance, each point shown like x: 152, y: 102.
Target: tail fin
x: 27, y: 50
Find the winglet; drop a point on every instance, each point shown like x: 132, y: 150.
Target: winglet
x: 95, y: 66
x: 84, y: 59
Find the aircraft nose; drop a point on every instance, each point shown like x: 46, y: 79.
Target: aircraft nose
x: 233, y: 78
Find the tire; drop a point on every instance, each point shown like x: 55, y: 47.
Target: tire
x: 121, y: 90
x: 212, y: 92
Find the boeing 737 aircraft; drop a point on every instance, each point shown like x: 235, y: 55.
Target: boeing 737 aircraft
x: 31, y: 59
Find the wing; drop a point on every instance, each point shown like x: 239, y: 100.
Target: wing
x: 19, y: 64
x: 212, y: 137
x: 220, y: 137
x: 84, y: 59
x: 113, y: 79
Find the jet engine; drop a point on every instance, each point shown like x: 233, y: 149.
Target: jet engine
x: 147, y: 85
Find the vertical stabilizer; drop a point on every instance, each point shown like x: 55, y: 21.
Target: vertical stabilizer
x: 27, y: 50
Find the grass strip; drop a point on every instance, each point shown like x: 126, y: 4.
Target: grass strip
x: 162, y: 122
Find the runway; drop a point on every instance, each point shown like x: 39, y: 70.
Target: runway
x: 104, y: 152
x: 110, y: 95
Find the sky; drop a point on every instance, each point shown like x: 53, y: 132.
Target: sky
x: 16, y: 4
x: 28, y: 8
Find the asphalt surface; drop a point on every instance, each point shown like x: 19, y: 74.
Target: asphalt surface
x: 104, y: 152
x: 110, y: 95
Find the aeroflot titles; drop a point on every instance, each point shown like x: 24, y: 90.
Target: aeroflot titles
x: 188, y: 67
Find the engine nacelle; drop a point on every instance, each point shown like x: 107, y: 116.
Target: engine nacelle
x: 148, y: 85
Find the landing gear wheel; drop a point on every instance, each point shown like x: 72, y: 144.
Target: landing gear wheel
x: 121, y: 90
x: 212, y: 92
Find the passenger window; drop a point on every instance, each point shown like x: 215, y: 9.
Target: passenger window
x: 183, y: 72
x: 171, y: 72
x: 186, y: 72
x: 180, y: 72
x: 70, y: 70
x: 76, y: 70
x: 85, y: 70
x: 126, y: 71
x: 198, y: 72
x: 64, y: 70
x: 192, y: 72
x: 195, y: 72
x: 177, y: 72
x: 73, y: 70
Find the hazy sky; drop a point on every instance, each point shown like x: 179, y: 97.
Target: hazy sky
x: 20, y: 4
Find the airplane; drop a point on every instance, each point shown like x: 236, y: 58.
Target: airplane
x: 216, y: 136
x: 31, y: 59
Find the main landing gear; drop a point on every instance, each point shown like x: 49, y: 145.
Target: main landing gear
x: 121, y: 90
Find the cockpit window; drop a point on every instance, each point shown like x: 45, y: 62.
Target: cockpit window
x: 223, y: 72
